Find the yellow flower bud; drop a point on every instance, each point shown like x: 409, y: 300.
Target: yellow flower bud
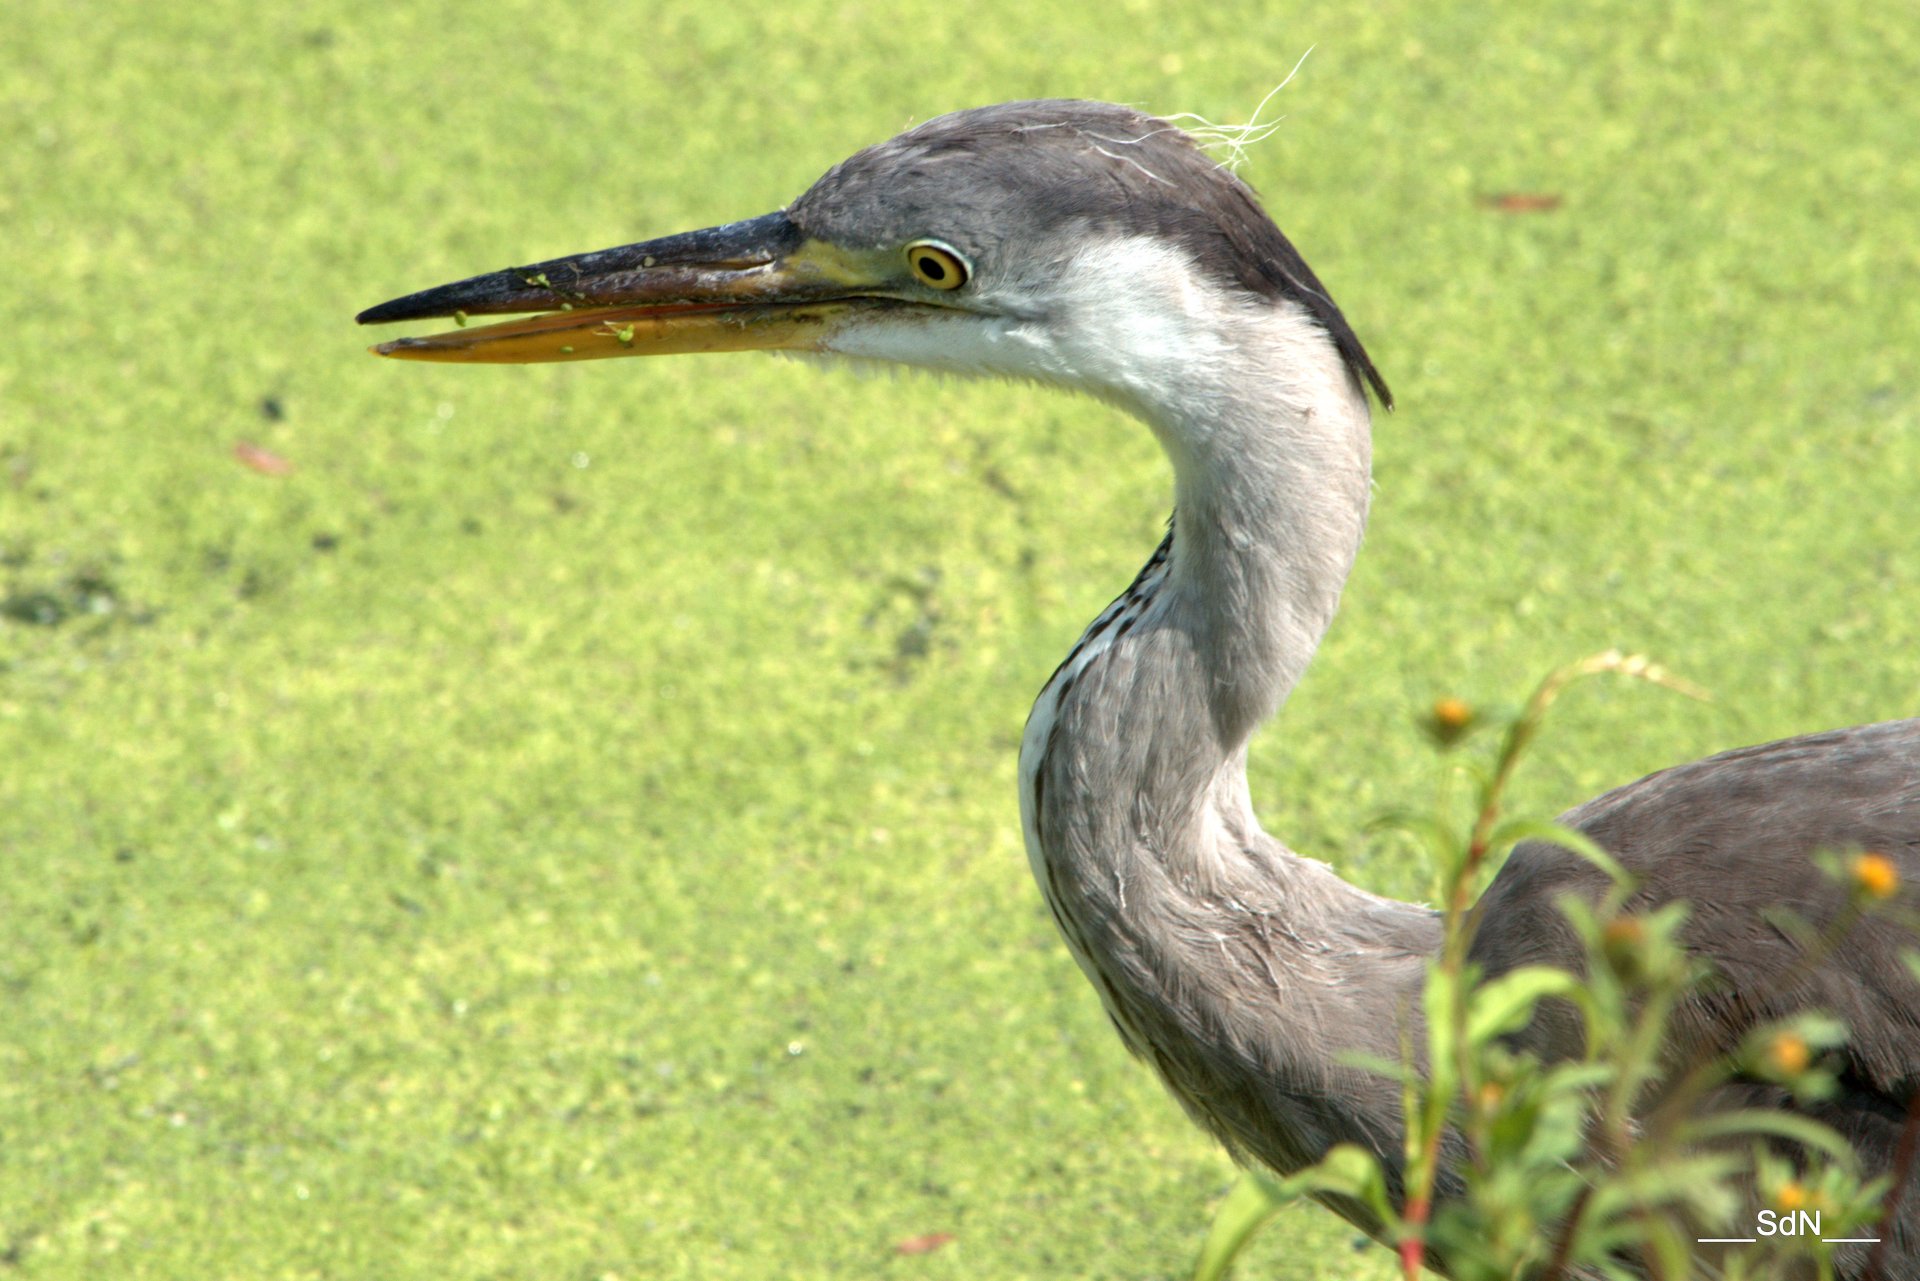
x: 1875, y: 876
x: 1789, y: 1053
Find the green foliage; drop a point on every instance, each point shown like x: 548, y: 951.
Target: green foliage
x: 1569, y: 1169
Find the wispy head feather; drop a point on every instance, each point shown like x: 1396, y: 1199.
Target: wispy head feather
x: 1233, y: 140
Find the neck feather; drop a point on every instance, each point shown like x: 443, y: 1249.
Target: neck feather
x: 1135, y: 751
x: 1241, y: 971
x: 1271, y: 486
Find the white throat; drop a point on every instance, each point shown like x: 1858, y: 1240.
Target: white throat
x: 1268, y: 432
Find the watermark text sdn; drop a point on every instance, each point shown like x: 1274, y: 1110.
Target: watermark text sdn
x: 1788, y: 1223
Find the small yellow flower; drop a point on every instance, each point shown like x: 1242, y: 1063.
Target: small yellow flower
x: 1625, y: 931
x: 1789, y: 1053
x: 1491, y: 1092
x: 1623, y: 942
x: 1875, y: 876
x: 1449, y: 719
x: 1791, y: 1197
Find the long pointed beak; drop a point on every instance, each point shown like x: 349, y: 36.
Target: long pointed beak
x: 747, y: 286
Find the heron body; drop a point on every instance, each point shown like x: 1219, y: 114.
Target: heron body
x: 1090, y: 247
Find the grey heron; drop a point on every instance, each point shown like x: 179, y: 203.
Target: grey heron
x: 1090, y: 247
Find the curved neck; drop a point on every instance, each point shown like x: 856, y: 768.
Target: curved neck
x: 1272, y: 480
x: 1135, y: 751
x: 1240, y: 970
x: 1269, y: 437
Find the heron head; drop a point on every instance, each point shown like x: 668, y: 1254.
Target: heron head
x: 1075, y: 243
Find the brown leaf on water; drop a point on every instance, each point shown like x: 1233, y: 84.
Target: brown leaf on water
x: 923, y: 1244
x: 1522, y: 201
x: 261, y: 459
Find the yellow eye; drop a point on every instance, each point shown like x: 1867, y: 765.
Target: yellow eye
x: 936, y: 266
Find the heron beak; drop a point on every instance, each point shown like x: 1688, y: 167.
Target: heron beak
x: 747, y: 286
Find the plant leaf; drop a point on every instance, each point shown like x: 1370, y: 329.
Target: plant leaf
x: 1253, y: 1200
x: 1786, y: 1125
x: 1516, y: 830
x: 1505, y: 1004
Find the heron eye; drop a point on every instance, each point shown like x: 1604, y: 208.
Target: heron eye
x: 936, y: 266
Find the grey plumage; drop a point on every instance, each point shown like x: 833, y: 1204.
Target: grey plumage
x: 1732, y: 836
x: 1068, y: 172
x: 1092, y: 247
